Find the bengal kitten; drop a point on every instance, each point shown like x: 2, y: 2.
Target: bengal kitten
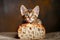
x: 33, y: 24
x: 30, y: 16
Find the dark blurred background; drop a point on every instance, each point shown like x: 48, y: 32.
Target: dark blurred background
x: 10, y: 17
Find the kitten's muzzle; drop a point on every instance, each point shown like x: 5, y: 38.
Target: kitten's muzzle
x: 30, y: 20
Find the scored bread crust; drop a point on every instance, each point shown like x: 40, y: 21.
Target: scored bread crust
x: 31, y: 31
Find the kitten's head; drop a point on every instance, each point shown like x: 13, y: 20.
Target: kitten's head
x: 29, y: 16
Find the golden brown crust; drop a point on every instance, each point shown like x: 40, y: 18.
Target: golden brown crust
x: 26, y: 25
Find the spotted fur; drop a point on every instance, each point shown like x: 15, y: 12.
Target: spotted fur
x: 29, y: 15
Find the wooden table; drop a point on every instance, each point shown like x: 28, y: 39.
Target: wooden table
x: 11, y: 36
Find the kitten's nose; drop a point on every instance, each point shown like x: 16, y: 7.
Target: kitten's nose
x: 29, y: 17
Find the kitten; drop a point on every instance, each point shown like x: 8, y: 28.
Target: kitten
x: 30, y: 16
x: 27, y: 30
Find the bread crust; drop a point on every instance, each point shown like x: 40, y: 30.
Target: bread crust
x: 31, y: 26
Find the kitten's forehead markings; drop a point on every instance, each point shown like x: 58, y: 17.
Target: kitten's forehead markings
x: 30, y: 12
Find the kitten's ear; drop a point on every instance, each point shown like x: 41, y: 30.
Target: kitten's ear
x: 23, y: 9
x: 36, y: 10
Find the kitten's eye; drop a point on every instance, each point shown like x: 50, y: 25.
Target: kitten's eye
x: 26, y: 14
x: 33, y: 16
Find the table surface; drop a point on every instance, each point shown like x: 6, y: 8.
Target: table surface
x: 11, y: 36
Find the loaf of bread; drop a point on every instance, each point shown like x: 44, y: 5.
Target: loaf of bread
x: 31, y: 31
